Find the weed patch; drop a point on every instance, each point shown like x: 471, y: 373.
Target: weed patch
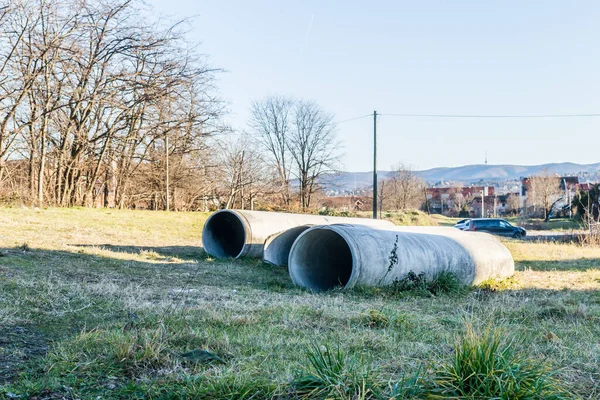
x: 382, y: 318
x: 443, y: 283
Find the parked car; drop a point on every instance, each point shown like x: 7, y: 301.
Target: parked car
x: 462, y: 224
x: 495, y: 226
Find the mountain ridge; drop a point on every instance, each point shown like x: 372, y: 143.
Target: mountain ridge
x: 466, y: 174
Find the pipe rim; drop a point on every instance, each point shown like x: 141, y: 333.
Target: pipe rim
x: 246, y: 233
x: 340, y: 231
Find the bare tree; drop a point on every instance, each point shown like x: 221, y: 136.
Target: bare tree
x: 299, y: 139
x: 545, y: 192
x: 460, y: 203
x: 271, y: 121
x: 18, y: 72
x: 96, y: 98
x: 313, y: 147
x: 383, y: 196
x: 243, y: 173
x: 513, y: 201
x: 407, y: 188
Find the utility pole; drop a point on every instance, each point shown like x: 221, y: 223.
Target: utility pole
x: 589, y: 210
x: 569, y: 204
x: 568, y: 197
x: 495, y: 205
x: 374, y: 164
x: 483, y: 203
x: 168, y: 204
x: 381, y: 196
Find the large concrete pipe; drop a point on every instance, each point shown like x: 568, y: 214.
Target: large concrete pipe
x: 238, y: 233
x: 324, y: 257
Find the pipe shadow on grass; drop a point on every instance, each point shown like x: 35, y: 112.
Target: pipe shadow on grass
x: 190, y: 252
x: 168, y: 266
x: 574, y: 265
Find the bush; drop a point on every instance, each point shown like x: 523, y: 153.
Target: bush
x: 464, y: 214
x: 486, y: 366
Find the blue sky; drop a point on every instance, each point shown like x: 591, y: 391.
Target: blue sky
x: 416, y: 57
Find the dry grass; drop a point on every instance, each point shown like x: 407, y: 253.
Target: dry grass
x: 105, y: 303
x: 555, y: 266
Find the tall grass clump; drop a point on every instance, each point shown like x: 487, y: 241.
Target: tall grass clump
x: 487, y: 366
x: 330, y: 375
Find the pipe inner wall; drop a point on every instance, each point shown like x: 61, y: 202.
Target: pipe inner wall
x: 322, y: 260
x: 224, y: 235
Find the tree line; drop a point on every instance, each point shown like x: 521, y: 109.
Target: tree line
x: 99, y: 107
x: 102, y: 104
x: 94, y: 100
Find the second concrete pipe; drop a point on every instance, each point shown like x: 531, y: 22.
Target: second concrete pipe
x: 325, y: 257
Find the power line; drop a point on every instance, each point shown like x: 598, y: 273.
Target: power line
x: 493, y: 116
x: 352, y: 119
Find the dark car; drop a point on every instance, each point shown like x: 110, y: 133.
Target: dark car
x: 495, y: 226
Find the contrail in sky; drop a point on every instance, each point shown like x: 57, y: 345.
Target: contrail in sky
x: 312, y: 18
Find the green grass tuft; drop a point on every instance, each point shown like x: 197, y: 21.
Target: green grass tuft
x: 488, y: 365
x: 375, y: 319
x: 332, y: 375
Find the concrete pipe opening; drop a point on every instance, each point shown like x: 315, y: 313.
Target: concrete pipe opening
x: 322, y: 260
x: 224, y: 235
x: 277, y: 247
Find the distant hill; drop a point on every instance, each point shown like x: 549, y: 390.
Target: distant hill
x: 347, y: 181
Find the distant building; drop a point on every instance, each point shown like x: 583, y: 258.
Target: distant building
x: 442, y: 200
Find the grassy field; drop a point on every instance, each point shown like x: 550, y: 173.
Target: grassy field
x: 124, y: 304
x: 406, y: 217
